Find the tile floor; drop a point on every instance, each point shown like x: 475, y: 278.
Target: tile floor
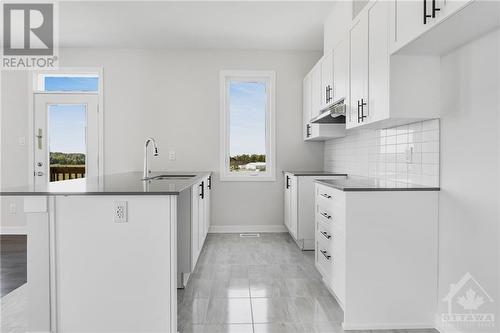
x: 258, y: 285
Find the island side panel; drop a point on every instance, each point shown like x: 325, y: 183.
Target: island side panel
x: 38, y: 264
x: 115, y: 276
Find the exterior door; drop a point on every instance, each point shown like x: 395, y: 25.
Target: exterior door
x: 66, y: 137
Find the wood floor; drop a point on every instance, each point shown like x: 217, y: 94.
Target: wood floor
x: 257, y: 285
x: 12, y: 262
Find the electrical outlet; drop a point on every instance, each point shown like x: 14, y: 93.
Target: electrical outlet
x: 22, y: 141
x: 171, y: 155
x: 12, y: 208
x: 120, y: 211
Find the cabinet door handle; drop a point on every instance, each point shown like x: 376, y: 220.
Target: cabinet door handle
x: 359, y: 115
x: 324, y: 233
x: 326, y: 215
x: 325, y: 254
x: 287, y: 182
x: 308, y: 130
x: 209, y: 185
x: 426, y: 16
x: 330, y: 89
x: 326, y: 195
x: 434, y: 9
x: 202, y: 194
x: 327, y: 98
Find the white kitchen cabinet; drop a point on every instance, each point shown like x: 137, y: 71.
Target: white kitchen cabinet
x: 358, y: 72
x: 414, y: 17
x: 327, y: 79
x: 194, y: 222
x: 299, y: 206
x: 381, y: 95
x: 316, y: 132
x: 316, y: 94
x: 341, y: 72
x: 390, y: 237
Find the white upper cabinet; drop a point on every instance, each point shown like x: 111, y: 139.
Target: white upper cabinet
x: 327, y: 79
x: 378, y: 61
x: 341, y: 72
x: 358, y: 72
x: 414, y: 17
x: 306, y: 107
x: 316, y: 94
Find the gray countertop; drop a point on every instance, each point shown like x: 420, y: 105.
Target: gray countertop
x: 129, y: 183
x: 372, y: 184
x: 314, y: 173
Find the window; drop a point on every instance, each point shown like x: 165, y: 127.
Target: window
x: 67, y: 82
x: 247, y: 125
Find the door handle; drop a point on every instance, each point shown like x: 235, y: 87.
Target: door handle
x: 39, y: 174
x: 324, y: 233
x: 326, y: 215
x: 426, y: 16
x: 434, y: 9
x: 39, y: 137
x: 325, y: 254
x: 202, y: 194
x: 287, y: 182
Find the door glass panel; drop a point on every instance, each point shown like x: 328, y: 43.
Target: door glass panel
x: 67, y: 124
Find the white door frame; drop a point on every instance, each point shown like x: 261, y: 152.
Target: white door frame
x: 33, y: 88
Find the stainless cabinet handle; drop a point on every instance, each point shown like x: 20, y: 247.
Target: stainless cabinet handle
x: 325, y: 254
x: 326, y: 215
x: 324, y: 233
x: 324, y: 195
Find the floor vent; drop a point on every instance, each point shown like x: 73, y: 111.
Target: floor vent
x: 249, y: 235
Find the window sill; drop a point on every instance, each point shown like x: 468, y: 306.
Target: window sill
x: 247, y: 178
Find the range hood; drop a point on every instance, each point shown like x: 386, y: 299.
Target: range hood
x: 333, y: 114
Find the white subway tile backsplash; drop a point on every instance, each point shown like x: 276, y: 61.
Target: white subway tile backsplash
x: 383, y: 153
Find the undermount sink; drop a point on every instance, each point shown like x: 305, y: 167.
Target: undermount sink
x: 169, y: 177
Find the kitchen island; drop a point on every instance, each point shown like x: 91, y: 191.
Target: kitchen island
x: 102, y: 253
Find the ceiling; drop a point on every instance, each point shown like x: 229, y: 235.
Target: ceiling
x: 258, y: 25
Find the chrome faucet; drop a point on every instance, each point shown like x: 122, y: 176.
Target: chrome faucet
x: 146, y: 166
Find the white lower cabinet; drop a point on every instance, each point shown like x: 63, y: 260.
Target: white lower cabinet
x: 377, y: 254
x: 193, y: 225
x: 299, y: 207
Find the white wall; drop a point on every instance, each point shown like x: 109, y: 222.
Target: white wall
x: 469, y: 199
x: 174, y: 97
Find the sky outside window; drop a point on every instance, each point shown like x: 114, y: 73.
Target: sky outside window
x: 67, y: 128
x: 247, y: 120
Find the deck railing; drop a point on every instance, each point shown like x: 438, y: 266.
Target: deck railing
x: 58, y: 173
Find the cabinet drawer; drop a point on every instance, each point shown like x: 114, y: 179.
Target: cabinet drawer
x: 324, y: 259
x: 328, y: 197
x: 333, y: 217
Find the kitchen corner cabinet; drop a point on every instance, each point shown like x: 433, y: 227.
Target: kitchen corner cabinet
x: 299, y: 208
x: 389, y: 236
x: 193, y: 227
x: 380, y: 93
x: 414, y: 17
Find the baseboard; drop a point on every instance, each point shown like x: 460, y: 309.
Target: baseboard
x: 13, y: 230
x: 235, y: 229
x: 387, y: 326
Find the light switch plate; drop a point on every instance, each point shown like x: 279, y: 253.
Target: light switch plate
x: 120, y: 212
x: 171, y: 156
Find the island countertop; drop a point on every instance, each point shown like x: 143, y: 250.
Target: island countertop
x: 365, y: 184
x: 129, y: 183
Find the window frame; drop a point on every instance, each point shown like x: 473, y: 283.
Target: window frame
x: 39, y: 79
x: 269, y: 77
